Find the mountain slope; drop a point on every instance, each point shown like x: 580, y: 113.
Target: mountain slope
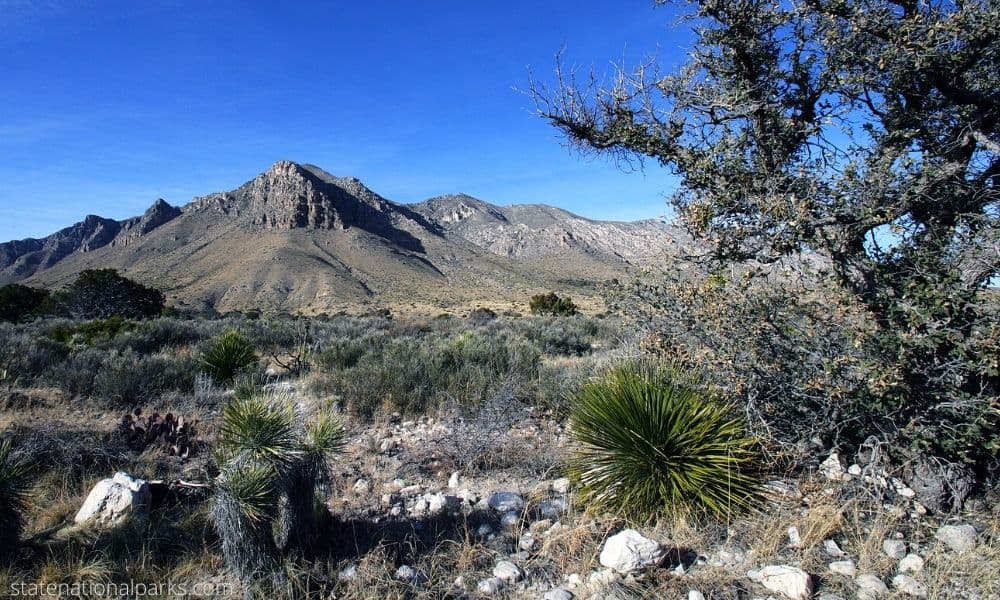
x: 295, y: 238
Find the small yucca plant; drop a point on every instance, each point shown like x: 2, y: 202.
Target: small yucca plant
x: 269, y: 468
x: 14, y: 487
x: 647, y: 444
x: 230, y: 354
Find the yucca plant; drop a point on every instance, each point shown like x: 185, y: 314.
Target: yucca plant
x: 14, y: 487
x: 269, y: 467
x: 647, y: 444
x: 243, y: 510
x: 324, y: 437
x: 230, y: 354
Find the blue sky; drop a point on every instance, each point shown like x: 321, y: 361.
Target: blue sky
x: 107, y: 105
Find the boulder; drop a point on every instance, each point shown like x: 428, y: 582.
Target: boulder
x: 629, y: 551
x: 113, y: 500
x: 790, y: 582
x: 870, y: 587
x: 894, y: 548
x: 507, y: 571
x: 844, y: 567
x: 911, y: 563
x: 558, y: 594
x: 960, y: 538
x: 503, y: 502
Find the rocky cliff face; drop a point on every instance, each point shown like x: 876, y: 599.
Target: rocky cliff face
x: 525, y: 231
x: 293, y: 196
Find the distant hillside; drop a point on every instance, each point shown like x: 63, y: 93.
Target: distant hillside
x: 298, y: 239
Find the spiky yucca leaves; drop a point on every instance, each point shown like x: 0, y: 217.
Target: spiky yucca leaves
x: 647, y: 444
x: 243, y: 509
x: 14, y: 485
x: 269, y: 467
x: 260, y: 427
x: 325, y: 436
x: 230, y: 354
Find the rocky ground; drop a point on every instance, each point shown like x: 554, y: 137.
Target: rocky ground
x: 448, y: 507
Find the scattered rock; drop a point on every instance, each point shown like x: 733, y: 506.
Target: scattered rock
x: 411, y: 490
x: 113, y: 500
x: 895, y: 549
x: 410, y: 575
x: 490, y: 586
x: 909, y: 586
x: 960, y: 538
x: 602, y: 578
x: 794, y: 539
x: 552, y: 509
x: 695, y: 595
x: 871, y: 587
x: 844, y: 567
x: 558, y: 594
x: 854, y: 470
x: 507, y: 571
x: 629, y: 551
x: 831, y: 468
x: 911, y: 563
x: 455, y: 480
x: 527, y: 543
x: 786, y: 580
x: 561, y: 485
x: 510, y: 519
x: 832, y: 549
x: 506, y: 502
x: 361, y: 488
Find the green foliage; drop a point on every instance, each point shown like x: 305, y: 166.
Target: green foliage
x: 270, y: 465
x: 259, y: 429
x: 19, y: 302
x: 230, y: 354
x: 103, y: 293
x: 647, y: 444
x: 855, y: 148
x: 90, y: 332
x: 14, y: 486
x: 552, y: 304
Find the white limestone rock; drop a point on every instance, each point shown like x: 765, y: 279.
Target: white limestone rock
x: 629, y: 551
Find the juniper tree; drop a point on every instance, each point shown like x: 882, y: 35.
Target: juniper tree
x: 862, y: 133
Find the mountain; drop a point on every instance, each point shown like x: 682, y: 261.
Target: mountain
x: 298, y: 239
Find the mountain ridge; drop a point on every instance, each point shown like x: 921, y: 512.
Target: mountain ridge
x: 297, y: 238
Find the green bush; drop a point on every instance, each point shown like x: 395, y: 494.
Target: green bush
x: 552, y: 304
x: 90, y: 332
x: 18, y: 302
x: 229, y: 355
x: 103, y: 293
x: 270, y: 465
x: 647, y: 444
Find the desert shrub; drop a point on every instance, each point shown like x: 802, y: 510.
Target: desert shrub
x: 26, y: 356
x: 481, y: 316
x: 646, y: 443
x: 103, y: 293
x: 552, y: 304
x: 270, y: 464
x: 14, y: 486
x: 89, y: 332
x: 19, y: 302
x: 76, y: 373
x: 156, y: 334
x: 127, y: 380
x: 230, y: 354
x: 341, y: 353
